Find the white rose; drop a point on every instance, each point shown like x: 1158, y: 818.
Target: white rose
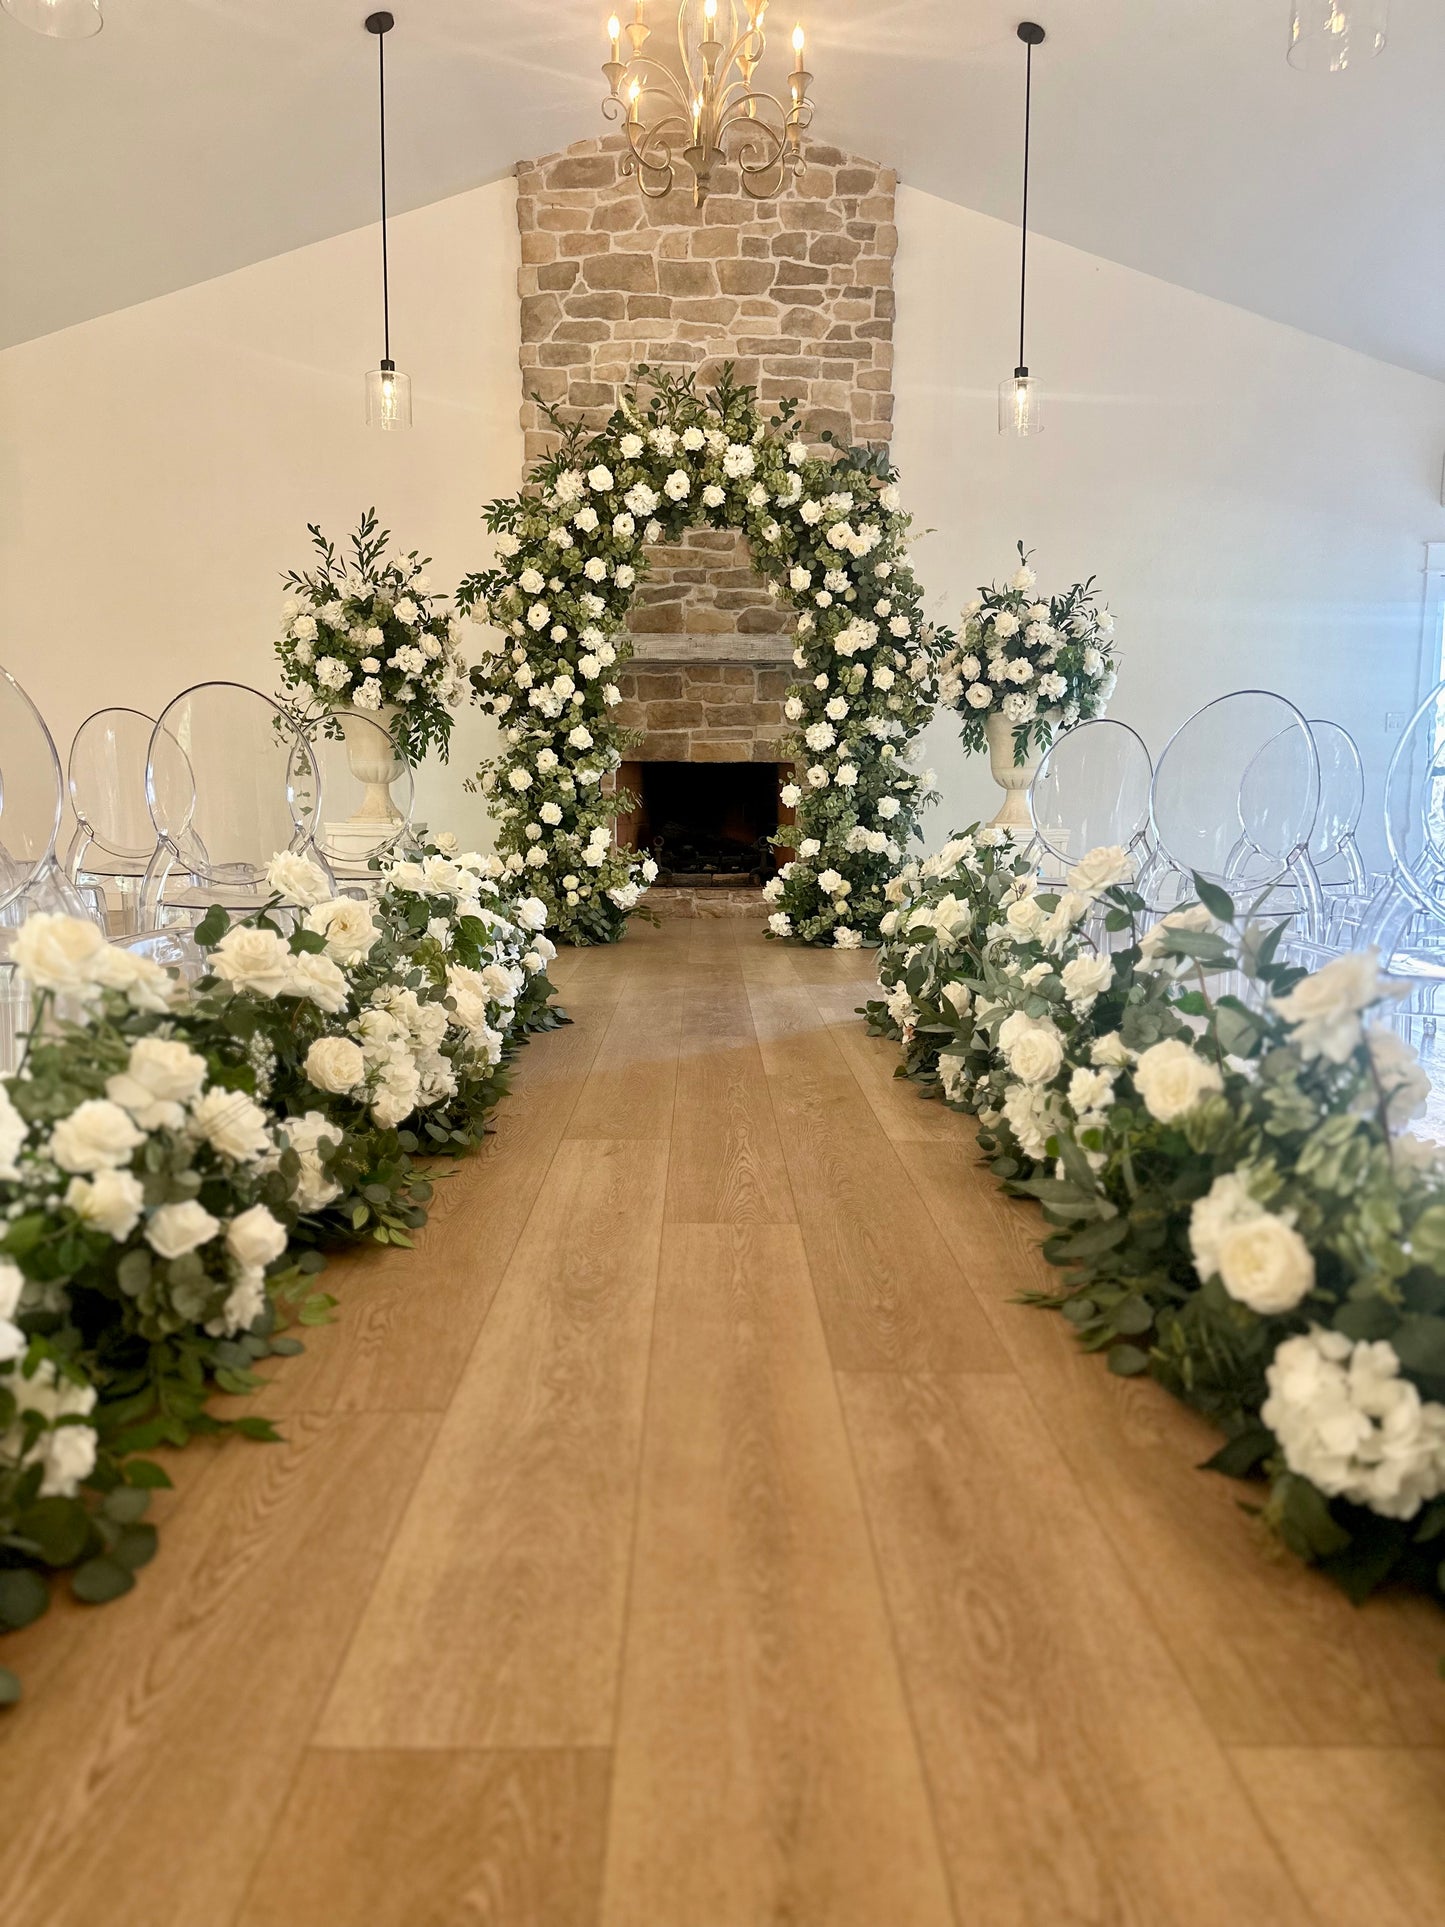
x: 1172, y: 1079
x: 1025, y: 917
x: 1266, y: 1264
x: 307, y: 1135
x: 320, y: 980
x: 232, y: 1124
x: 58, y: 953
x: 1324, y: 1009
x: 348, y: 926
x: 1032, y: 1048
x: 256, y: 960
x: 97, y: 1136
x: 1101, y: 869
x: 178, y: 1228
x: 297, y: 879
x: 159, y: 1079
x: 335, y: 1064
x: 255, y: 1239
x: 1085, y: 978
x: 111, y: 1202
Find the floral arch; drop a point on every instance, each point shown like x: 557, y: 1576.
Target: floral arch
x: 827, y: 536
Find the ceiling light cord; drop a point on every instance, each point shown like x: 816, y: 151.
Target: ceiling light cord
x: 385, y: 263
x: 1024, y: 240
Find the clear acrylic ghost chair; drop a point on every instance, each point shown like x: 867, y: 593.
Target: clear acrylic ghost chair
x: 1406, y: 919
x: 114, y: 838
x: 1090, y: 791
x: 30, y: 877
x: 1223, y: 808
x: 366, y: 798
x: 230, y: 782
x: 173, y: 949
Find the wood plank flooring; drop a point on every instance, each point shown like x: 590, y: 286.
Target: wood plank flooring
x: 695, y: 1532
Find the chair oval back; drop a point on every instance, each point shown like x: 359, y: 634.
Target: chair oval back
x: 1237, y: 789
x: 1092, y: 789
x: 231, y: 781
x: 31, y: 793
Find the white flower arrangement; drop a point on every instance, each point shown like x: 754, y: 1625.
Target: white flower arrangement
x: 370, y: 633
x: 1032, y: 661
x: 1229, y: 1182
x: 827, y: 536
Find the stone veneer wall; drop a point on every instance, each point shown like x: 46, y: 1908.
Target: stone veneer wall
x: 798, y: 294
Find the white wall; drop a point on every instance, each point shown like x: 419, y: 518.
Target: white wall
x: 160, y: 464
x: 1254, y: 501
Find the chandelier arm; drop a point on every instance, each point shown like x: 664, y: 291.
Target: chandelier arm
x: 734, y: 98
x: 669, y: 82
x: 682, y: 49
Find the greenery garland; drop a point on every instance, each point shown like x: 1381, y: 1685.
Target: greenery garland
x: 175, y: 1159
x: 828, y: 537
x: 1227, y: 1178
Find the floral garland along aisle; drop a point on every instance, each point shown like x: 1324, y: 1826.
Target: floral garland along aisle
x: 1228, y: 1181
x: 174, y: 1159
x: 827, y: 536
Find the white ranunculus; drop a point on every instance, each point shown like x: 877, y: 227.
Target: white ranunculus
x: 97, y: 1136
x: 298, y: 879
x: 111, y: 1202
x: 348, y: 926
x: 1172, y: 1079
x: 1101, y: 869
x: 1324, y: 1008
x: 232, y: 1124
x: 255, y: 1239
x: 161, y: 1077
x: 335, y: 1064
x: 1032, y: 1048
x: 256, y: 960
x: 178, y: 1228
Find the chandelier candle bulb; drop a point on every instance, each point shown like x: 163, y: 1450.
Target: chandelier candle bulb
x: 700, y: 108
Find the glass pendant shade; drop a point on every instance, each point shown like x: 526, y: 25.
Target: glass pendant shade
x: 57, y: 19
x: 388, y: 398
x: 1330, y: 36
x: 1020, y: 405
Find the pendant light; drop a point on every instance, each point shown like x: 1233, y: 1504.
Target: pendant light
x: 57, y: 19
x: 1330, y: 36
x: 388, y: 393
x: 1020, y: 399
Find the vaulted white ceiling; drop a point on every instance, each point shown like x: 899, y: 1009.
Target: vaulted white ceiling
x: 194, y: 136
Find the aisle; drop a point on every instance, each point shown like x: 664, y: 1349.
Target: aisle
x: 705, y: 1538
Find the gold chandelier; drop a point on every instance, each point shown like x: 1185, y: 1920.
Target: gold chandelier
x: 706, y: 111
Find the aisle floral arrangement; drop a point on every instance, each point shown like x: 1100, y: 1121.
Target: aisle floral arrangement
x: 828, y: 537
x: 1218, y: 1143
x: 367, y: 632
x: 173, y: 1159
x: 1032, y: 661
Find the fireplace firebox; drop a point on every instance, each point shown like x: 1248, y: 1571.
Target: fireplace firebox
x: 708, y: 824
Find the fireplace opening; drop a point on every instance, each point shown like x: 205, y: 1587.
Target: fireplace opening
x: 708, y: 824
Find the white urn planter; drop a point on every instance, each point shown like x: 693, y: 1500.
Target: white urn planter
x: 374, y: 763
x: 1012, y: 778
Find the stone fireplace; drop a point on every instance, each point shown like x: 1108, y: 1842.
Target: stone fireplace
x: 798, y: 294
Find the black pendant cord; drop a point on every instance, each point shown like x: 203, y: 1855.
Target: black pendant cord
x: 1024, y: 241
x: 1031, y: 35
x: 385, y: 265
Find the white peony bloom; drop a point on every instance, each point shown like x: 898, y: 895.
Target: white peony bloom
x: 111, y: 1202
x: 1173, y: 1079
x: 97, y: 1136
x: 176, y: 1229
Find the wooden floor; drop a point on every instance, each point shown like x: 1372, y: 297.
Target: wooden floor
x: 696, y: 1533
